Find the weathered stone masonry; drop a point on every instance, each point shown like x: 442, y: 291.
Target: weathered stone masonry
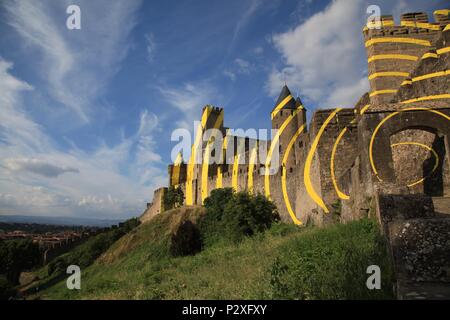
x: 394, y: 141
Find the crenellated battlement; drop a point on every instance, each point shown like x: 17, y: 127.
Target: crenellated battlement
x: 394, y: 51
x: 306, y: 168
x: 410, y: 23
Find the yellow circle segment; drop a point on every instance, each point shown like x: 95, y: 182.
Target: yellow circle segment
x: 436, y: 158
x: 377, y: 128
x: 283, y: 176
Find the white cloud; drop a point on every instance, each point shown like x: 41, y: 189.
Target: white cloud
x: 37, y: 166
x: 240, y: 66
x: 150, y: 46
x: 111, y: 181
x: 75, y: 65
x: 230, y: 75
x: 258, y: 50
x: 324, y: 56
x: 243, y: 66
x: 189, y: 99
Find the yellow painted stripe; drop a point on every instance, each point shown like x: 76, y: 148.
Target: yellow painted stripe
x: 206, y: 156
x: 432, y: 75
x: 191, y: 163
x: 205, y: 167
x: 442, y: 12
x: 429, y: 55
x: 307, y: 170
x: 443, y: 50
x: 377, y: 128
x: 340, y: 194
x: 379, y: 24
x: 251, y: 167
x: 283, y: 176
x: 387, y: 91
x: 406, y: 82
x: 219, y: 180
x: 364, y: 109
x: 447, y: 27
x: 436, y: 158
x: 235, y: 174
x: 398, y: 40
x: 388, y: 74
x: 426, y: 98
x: 175, y: 176
x: 281, y: 105
x: 392, y: 56
x: 272, y: 146
x: 422, y: 25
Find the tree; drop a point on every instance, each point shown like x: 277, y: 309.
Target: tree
x: 173, y: 198
x: 17, y: 256
x: 246, y: 215
x: 233, y: 216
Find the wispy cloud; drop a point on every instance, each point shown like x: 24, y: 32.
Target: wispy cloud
x: 75, y: 65
x: 324, y: 55
x: 189, y: 99
x: 40, y: 178
x: 37, y: 166
x: 150, y: 46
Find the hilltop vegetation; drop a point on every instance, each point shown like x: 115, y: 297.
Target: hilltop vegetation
x: 271, y: 261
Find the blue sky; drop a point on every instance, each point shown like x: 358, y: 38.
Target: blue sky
x: 86, y: 115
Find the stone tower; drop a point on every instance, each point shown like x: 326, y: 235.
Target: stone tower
x: 393, y: 51
x: 287, y: 116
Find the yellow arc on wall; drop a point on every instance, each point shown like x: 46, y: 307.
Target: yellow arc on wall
x: 205, y: 164
x: 191, y: 163
x: 340, y: 194
x: 280, y: 106
x: 377, y: 128
x: 388, y: 74
x: 272, y: 146
x: 436, y: 158
x: 420, y: 42
x: 392, y: 56
x: 219, y: 181
x: 307, y: 170
x: 283, y: 176
x: 235, y: 174
x: 176, y: 170
x: 426, y: 98
x: 251, y: 167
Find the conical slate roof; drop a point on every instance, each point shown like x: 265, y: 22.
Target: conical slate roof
x: 299, y: 103
x: 285, y: 101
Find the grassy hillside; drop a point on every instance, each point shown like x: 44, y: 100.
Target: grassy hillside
x: 285, y: 262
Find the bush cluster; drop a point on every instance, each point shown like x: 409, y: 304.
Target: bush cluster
x: 331, y: 263
x: 233, y: 216
x: 173, y: 198
x: 17, y: 256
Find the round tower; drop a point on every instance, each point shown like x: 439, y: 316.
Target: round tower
x: 287, y: 116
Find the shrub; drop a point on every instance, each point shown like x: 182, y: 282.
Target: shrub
x: 331, y: 263
x: 6, y: 289
x: 173, y: 198
x: 233, y: 216
x: 210, y: 224
x: 246, y: 215
x: 17, y: 256
x: 186, y: 240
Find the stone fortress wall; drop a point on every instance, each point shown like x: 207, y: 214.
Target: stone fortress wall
x: 394, y: 141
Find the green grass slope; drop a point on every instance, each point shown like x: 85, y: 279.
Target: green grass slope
x: 286, y: 262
